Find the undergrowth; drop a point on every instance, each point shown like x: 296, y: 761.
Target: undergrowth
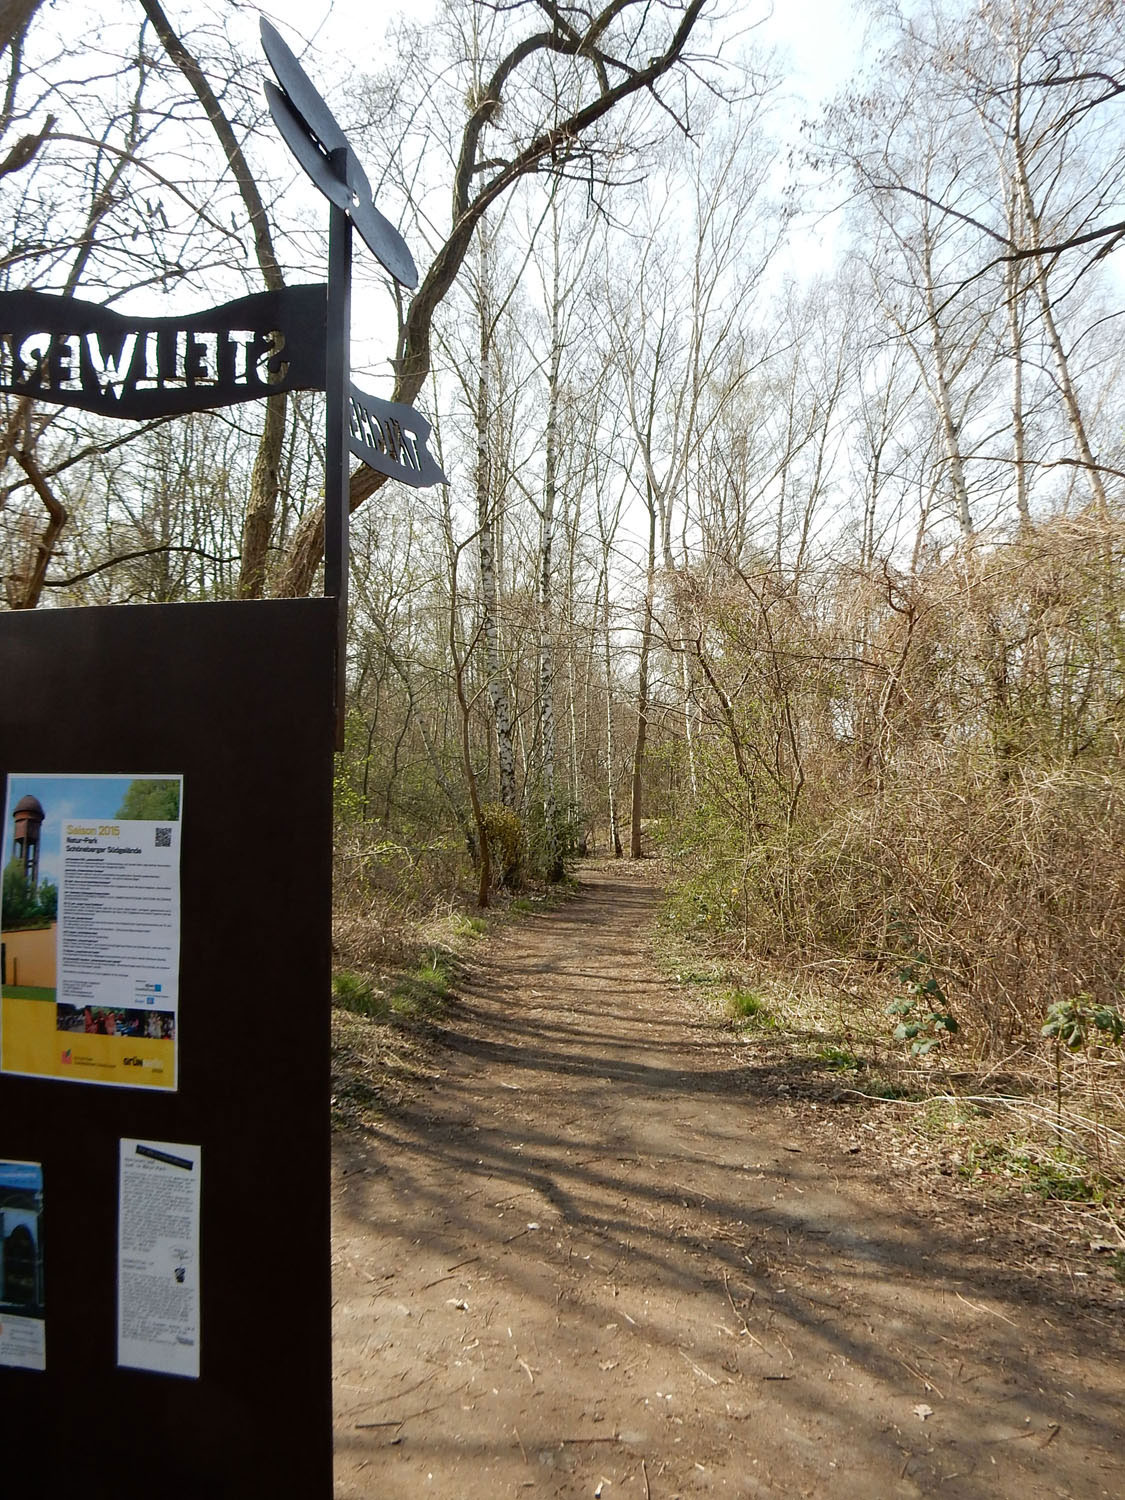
x: 1042, y: 1170
x: 1045, y: 1120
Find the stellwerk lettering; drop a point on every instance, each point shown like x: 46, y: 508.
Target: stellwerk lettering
x: 390, y: 437
x: 76, y: 353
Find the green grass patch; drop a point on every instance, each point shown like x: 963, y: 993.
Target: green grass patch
x: 839, y: 1060
x: 423, y: 989
x: 938, y: 1117
x: 886, y: 1088
x: 1050, y: 1174
x: 748, y: 1008
x: 358, y: 993
x: 416, y: 992
x: 466, y: 926
x: 29, y: 992
x: 699, y: 977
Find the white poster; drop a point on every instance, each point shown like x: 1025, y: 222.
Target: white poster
x: 158, y: 1257
x: 91, y: 926
x: 22, y: 1299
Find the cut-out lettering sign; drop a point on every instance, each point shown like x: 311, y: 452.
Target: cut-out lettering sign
x: 390, y: 438
x: 75, y: 353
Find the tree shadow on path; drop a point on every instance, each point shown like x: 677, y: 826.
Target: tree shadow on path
x: 601, y: 1170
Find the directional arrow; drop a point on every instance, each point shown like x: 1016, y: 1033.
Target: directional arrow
x: 391, y: 438
x: 308, y: 127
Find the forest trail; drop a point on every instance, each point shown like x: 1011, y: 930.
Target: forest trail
x: 597, y: 1258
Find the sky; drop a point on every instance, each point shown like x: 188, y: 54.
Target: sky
x: 822, y: 38
x: 818, y: 44
x: 822, y: 41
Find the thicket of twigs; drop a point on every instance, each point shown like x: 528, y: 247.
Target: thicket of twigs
x: 921, y: 767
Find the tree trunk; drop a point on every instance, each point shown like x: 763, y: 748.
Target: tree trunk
x: 501, y: 715
x: 1062, y: 365
x: 637, y: 787
x: 553, y: 847
x: 942, y: 397
x: 1014, y: 297
x: 611, y: 792
x: 484, y: 856
x: 261, y: 504
x: 264, y: 482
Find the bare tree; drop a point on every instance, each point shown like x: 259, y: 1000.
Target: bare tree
x: 583, y: 72
x: 678, y: 336
x: 108, y: 171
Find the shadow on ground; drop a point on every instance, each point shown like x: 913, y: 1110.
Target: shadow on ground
x: 600, y: 1249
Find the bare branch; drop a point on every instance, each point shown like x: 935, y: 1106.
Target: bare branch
x: 15, y: 18
x: 57, y: 518
x: 26, y: 148
x: 236, y: 160
x: 124, y: 557
x: 555, y: 143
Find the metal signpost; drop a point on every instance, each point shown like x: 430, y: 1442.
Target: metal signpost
x: 166, y: 779
x: 388, y: 437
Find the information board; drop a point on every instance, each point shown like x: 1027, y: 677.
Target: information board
x: 165, y: 1290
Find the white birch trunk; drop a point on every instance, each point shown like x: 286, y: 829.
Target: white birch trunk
x: 554, y: 858
x: 501, y: 714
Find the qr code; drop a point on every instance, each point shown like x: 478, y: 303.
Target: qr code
x: 164, y: 838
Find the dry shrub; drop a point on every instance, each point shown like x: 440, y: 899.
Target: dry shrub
x: 381, y: 891
x: 1014, y: 891
x: 507, y: 843
x: 927, y: 763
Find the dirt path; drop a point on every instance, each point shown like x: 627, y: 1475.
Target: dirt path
x: 594, y: 1259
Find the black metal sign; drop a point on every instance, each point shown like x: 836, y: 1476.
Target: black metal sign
x: 353, y: 422
x: 76, y: 353
x: 238, y: 697
x: 98, y: 690
x: 390, y: 437
x: 308, y: 127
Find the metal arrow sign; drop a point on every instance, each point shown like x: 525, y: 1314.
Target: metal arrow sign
x: 308, y: 127
x: 388, y: 437
x: 391, y: 438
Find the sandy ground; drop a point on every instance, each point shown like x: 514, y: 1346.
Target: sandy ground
x: 599, y: 1256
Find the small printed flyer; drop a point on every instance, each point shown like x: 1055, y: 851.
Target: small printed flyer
x: 158, y: 1257
x: 22, y: 1299
x: 90, y: 922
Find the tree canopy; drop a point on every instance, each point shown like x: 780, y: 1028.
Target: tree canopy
x: 151, y: 798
